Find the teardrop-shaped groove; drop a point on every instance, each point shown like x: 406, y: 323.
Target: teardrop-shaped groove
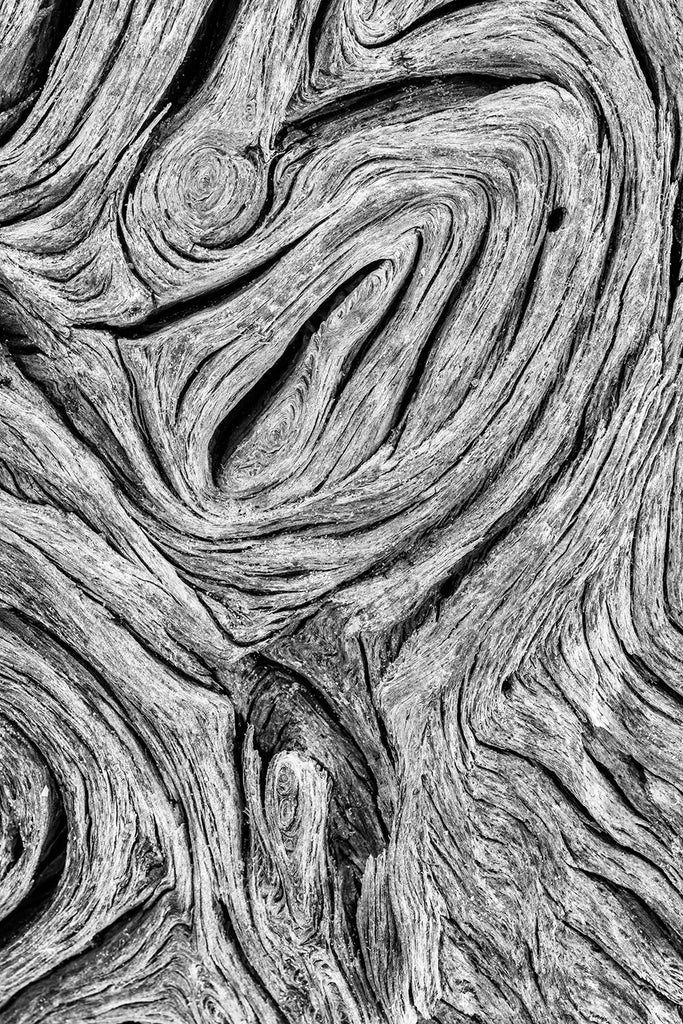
x: 46, y: 880
x: 66, y: 12
x: 315, y: 33
x: 288, y: 713
x: 49, y: 32
x: 202, y: 53
x: 241, y: 419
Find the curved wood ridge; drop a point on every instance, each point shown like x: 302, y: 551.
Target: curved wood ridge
x: 341, y: 512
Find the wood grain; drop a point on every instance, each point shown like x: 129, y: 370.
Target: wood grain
x: 341, y: 512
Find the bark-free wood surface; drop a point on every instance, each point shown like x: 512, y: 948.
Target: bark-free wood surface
x: 341, y: 511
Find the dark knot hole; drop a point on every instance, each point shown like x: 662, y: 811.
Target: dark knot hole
x: 556, y: 218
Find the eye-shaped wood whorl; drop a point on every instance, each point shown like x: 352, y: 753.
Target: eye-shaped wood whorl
x: 296, y: 805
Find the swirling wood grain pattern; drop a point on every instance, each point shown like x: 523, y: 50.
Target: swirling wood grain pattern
x: 341, y: 512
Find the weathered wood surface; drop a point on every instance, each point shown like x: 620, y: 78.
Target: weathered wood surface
x: 341, y: 593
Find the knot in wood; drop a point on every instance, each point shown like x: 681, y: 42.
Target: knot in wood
x: 213, y: 190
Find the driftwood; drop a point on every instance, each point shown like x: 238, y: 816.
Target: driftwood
x: 341, y: 587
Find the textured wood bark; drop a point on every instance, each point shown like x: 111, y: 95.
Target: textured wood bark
x: 341, y: 593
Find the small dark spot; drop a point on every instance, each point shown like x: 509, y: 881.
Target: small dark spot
x: 506, y: 686
x: 16, y: 847
x: 556, y: 218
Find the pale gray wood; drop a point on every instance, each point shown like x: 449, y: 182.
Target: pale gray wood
x: 341, y: 607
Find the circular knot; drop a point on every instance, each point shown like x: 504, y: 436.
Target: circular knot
x: 212, y: 189
x: 206, y: 178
